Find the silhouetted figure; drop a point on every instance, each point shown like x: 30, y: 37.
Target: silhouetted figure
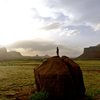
x: 57, y: 51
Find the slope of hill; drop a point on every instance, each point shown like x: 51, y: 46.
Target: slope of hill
x: 5, y: 55
x: 91, y: 53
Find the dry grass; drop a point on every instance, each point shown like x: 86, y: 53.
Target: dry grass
x: 16, y: 75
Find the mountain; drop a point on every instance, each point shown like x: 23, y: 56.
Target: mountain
x: 91, y: 53
x: 5, y: 55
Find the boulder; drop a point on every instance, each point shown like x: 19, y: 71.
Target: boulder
x: 60, y: 77
x: 77, y: 76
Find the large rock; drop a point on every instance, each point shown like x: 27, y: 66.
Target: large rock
x: 60, y: 77
x: 91, y: 53
x: 77, y: 76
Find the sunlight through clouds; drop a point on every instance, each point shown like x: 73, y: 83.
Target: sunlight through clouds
x: 16, y: 21
x: 71, y: 22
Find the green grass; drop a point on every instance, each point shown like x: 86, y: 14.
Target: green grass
x: 18, y: 74
x: 42, y: 95
x: 91, y: 74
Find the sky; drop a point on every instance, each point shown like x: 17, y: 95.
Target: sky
x: 39, y: 26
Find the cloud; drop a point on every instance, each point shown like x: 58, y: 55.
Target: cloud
x: 69, y: 32
x: 95, y: 27
x: 71, y: 23
x: 41, y: 48
x: 77, y: 12
x: 34, y: 45
x: 86, y: 8
x: 59, y: 15
x: 51, y: 26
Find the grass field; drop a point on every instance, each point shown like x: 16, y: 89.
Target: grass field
x: 15, y: 75
x: 91, y: 74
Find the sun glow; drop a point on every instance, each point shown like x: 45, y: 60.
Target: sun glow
x: 16, y: 22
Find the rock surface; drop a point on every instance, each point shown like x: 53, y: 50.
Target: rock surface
x: 91, y: 53
x: 61, y: 77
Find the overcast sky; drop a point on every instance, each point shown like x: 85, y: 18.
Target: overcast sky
x: 38, y: 26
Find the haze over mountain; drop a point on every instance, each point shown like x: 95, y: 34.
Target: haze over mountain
x: 92, y: 52
x: 32, y: 48
x: 5, y: 55
x: 11, y: 55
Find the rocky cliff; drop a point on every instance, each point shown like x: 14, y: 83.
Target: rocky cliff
x: 91, y: 53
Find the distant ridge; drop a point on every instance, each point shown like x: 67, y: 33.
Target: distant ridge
x: 13, y: 55
x: 5, y: 55
x: 92, y: 52
x: 98, y: 45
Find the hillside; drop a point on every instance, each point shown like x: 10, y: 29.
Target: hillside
x: 91, y: 53
x: 5, y: 55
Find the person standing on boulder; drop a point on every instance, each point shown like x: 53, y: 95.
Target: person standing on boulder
x: 57, y: 51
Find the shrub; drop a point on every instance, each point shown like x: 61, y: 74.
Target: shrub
x: 39, y: 96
